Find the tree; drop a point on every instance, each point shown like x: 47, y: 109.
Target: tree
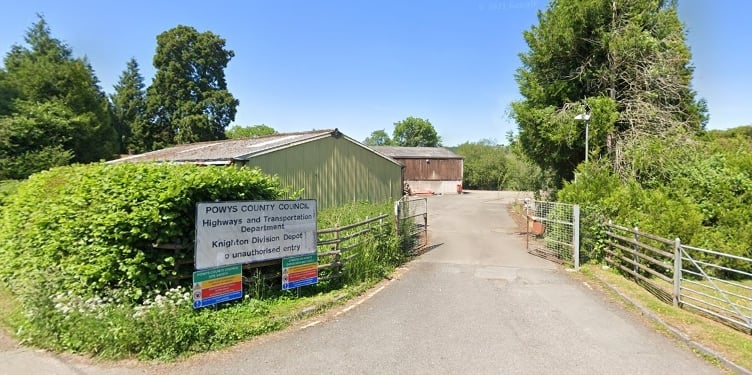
x: 37, y: 137
x: 626, y: 62
x: 51, y: 103
x: 238, y: 131
x: 188, y: 100
x: 415, y: 132
x: 128, y: 106
x: 378, y: 138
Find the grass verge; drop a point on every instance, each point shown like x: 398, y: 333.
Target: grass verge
x: 728, y: 343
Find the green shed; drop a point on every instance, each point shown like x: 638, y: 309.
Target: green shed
x: 326, y: 164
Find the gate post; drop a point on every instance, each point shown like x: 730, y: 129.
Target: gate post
x: 576, y: 236
x: 636, y: 249
x: 677, y: 271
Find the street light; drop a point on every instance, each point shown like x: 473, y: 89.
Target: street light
x: 585, y: 117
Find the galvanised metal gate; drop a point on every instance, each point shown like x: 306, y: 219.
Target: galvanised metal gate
x: 553, y: 231
x: 412, y: 222
x: 714, y: 283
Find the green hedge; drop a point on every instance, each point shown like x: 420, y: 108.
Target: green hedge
x: 89, y: 229
x: 698, y: 191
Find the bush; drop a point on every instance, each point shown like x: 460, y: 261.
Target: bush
x: 76, y: 250
x: 92, y: 227
x: 700, y: 192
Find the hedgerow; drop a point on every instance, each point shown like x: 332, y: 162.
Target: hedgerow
x: 698, y: 190
x: 91, y: 228
x: 77, y: 255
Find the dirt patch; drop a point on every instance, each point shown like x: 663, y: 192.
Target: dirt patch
x: 518, y: 217
x: 7, y: 342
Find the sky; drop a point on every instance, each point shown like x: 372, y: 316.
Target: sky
x: 361, y: 66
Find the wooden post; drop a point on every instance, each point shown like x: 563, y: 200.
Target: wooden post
x: 635, y: 248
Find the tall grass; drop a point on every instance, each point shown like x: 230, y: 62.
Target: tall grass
x: 165, y: 325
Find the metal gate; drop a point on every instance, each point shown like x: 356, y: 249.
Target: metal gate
x: 713, y: 283
x: 553, y: 231
x: 412, y: 223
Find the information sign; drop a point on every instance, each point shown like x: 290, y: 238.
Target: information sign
x: 253, y: 231
x: 216, y: 285
x: 300, y: 271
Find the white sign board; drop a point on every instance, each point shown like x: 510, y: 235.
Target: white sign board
x: 253, y: 231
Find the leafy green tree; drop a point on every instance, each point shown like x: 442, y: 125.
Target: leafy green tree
x: 238, y: 131
x: 128, y: 107
x: 489, y: 166
x: 51, y: 106
x: 626, y: 62
x: 415, y: 132
x: 37, y: 137
x: 188, y: 100
x: 379, y: 138
x: 484, y: 165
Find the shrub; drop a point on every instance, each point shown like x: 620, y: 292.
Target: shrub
x: 92, y: 227
x: 698, y: 191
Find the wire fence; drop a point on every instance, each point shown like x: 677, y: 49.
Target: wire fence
x: 553, y: 231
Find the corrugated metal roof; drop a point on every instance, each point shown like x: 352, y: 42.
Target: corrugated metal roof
x: 416, y: 152
x: 225, y: 151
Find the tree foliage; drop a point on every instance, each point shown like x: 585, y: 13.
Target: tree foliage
x: 625, y: 61
x: 415, y: 132
x: 52, y: 110
x: 188, y: 100
x: 128, y: 106
x: 698, y: 191
x: 238, y: 131
x: 488, y: 166
x: 378, y: 138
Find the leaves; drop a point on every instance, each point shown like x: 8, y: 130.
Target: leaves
x: 98, y: 222
x: 625, y: 61
x: 415, y: 132
x: 50, y: 106
x: 238, y: 131
x: 188, y: 100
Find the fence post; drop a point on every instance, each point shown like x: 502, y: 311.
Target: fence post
x: 636, y: 248
x: 576, y: 236
x: 677, y: 271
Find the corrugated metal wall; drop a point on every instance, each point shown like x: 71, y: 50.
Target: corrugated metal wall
x: 334, y: 171
x: 432, y: 169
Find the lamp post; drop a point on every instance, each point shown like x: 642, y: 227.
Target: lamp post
x: 585, y: 117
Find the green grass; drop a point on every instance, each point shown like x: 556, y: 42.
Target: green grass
x: 165, y: 326
x: 734, y: 345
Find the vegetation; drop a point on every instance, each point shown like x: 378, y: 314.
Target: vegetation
x: 624, y: 62
x: 379, y: 138
x: 238, y: 131
x: 188, y: 100
x: 76, y: 257
x: 728, y: 342
x: 52, y: 111
x: 698, y: 191
x: 128, y: 106
x: 488, y: 166
x: 415, y: 132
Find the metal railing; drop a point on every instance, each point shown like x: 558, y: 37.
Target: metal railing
x: 692, y: 278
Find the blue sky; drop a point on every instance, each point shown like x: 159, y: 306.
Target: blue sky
x: 360, y: 66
